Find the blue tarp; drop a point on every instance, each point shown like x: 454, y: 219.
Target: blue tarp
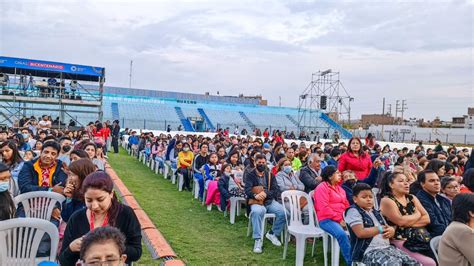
x: 38, y: 65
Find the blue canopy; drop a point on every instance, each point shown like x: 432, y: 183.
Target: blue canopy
x: 48, y: 69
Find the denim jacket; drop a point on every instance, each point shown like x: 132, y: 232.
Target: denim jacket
x: 359, y: 245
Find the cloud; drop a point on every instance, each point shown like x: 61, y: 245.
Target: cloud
x: 415, y: 50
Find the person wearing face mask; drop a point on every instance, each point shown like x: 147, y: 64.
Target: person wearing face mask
x: 27, y: 133
x: 185, y: 162
x: 349, y: 179
x: 265, y: 201
x: 7, y: 206
x: 66, y: 148
x: 102, y: 209
x: 12, y: 159
x: 267, y: 151
x: 288, y: 180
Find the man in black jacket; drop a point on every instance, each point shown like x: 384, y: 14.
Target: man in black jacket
x: 437, y: 206
x: 310, y: 175
x: 261, y: 176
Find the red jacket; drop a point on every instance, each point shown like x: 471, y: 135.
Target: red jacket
x: 360, y: 165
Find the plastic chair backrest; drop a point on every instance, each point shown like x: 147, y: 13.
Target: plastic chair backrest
x: 39, y: 204
x: 311, y: 195
x: 434, y: 244
x: 375, y: 192
x: 21, y: 237
x: 296, y: 213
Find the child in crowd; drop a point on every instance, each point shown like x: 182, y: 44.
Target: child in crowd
x: 212, y: 174
x: 370, y: 233
x: 7, y: 206
x: 230, y: 185
x: 28, y: 156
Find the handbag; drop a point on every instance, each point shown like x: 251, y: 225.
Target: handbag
x: 418, y: 240
x: 259, y: 189
x: 303, y: 202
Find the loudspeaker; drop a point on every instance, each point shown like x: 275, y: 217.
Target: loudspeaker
x: 323, y: 102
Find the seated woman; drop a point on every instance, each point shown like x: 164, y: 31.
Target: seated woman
x: 91, y: 149
x: 78, y: 170
x: 455, y: 247
x: 102, y: 209
x: 330, y: 204
x: 103, y: 245
x: 404, y: 211
x: 449, y: 187
x: 157, y: 152
x: 11, y: 158
x: 185, y: 161
x: 288, y: 180
x: 230, y: 184
x: 370, y: 233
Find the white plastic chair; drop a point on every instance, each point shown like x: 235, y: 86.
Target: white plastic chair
x: 375, y: 191
x: 264, y: 222
x: 334, y: 245
x: 294, y: 221
x: 434, y: 244
x: 20, y: 239
x: 39, y: 204
x: 180, y: 182
x: 235, y: 207
x: 195, y: 188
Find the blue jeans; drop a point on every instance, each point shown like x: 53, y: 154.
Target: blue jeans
x: 160, y: 161
x: 336, y: 231
x: 200, y: 179
x: 258, y: 211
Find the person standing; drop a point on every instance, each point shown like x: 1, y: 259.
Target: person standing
x: 115, y: 135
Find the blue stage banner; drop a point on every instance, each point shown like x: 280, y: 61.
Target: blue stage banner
x: 22, y: 63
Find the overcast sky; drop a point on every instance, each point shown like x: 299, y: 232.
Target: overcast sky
x: 421, y: 51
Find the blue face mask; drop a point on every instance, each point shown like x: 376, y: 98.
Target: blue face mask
x: 4, y: 186
x: 25, y: 136
x: 287, y: 169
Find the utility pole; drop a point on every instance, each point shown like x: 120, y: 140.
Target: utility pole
x: 397, y: 108
x: 403, y: 107
x: 390, y: 109
x: 383, y: 106
x: 130, y: 79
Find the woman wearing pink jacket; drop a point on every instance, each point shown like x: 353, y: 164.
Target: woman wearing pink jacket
x: 330, y: 204
x: 356, y: 160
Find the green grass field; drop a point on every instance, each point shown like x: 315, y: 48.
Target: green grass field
x: 199, y: 237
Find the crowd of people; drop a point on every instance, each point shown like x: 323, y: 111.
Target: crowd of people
x: 35, y: 157
x: 382, y: 204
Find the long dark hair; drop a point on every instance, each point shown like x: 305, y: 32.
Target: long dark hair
x: 7, y: 206
x: 387, y: 179
x: 361, y: 151
x: 468, y: 179
x: 82, y: 168
x: 102, y: 181
x: 16, y: 158
x: 435, y: 165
